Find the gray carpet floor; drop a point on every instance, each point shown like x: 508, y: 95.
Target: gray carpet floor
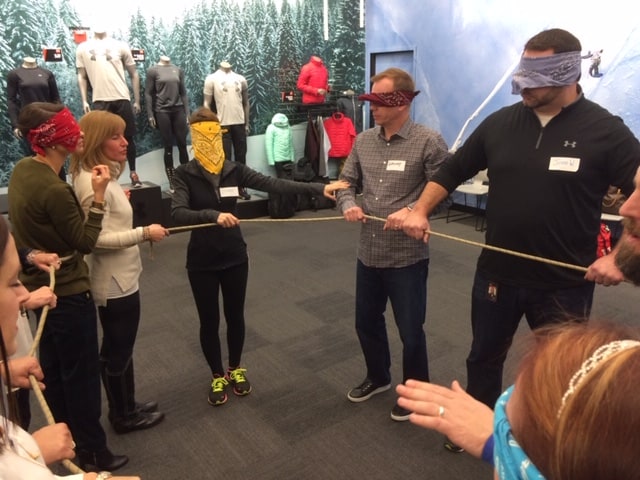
x: 302, y: 357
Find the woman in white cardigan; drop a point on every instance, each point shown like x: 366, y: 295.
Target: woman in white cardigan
x: 115, y: 267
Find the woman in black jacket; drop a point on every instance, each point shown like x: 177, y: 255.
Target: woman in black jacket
x: 206, y: 190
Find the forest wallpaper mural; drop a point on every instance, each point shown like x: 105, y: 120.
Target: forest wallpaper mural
x: 267, y: 41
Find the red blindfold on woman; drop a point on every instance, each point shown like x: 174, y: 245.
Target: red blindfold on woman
x: 61, y: 129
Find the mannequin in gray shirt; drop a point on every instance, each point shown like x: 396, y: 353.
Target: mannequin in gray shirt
x: 168, y: 109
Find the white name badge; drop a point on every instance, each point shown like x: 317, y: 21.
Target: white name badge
x: 227, y: 192
x: 564, y: 164
x: 396, y: 165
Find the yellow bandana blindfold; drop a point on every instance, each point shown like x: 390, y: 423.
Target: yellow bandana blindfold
x: 206, y: 141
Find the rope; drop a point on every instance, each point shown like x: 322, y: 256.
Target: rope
x: 429, y: 232
x: 72, y: 467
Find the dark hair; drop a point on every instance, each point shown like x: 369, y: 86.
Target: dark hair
x: 557, y: 39
x: 203, y: 114
x: 10, y: 413
x: 35, y: 114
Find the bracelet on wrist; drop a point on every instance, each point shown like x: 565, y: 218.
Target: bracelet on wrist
x: 31, y: 256
x: 146, y: 233
x: 98, y: 205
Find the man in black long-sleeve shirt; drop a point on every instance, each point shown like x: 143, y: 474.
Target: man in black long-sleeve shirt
x: 550, y: 159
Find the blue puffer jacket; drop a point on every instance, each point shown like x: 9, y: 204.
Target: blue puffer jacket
x: 279, y: 140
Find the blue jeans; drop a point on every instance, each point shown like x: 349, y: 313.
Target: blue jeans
x: 496, y: 311
x: 406, y: 288
x: 69, y: 359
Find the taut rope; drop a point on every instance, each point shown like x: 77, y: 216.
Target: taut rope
x: 430, y: 232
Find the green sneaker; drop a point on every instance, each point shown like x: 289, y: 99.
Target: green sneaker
x: 237, y: 377
x: 218, y: 391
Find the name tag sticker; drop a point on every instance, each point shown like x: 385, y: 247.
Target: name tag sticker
x: 396, y: 165
x: 564, y: 164
x: 227, y: 192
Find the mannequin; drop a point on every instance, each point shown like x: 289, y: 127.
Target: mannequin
x: 227, y: 94
x: 313, y: 81
x: 168, y: 109
x: 27, y: 84
x: 101, y: 62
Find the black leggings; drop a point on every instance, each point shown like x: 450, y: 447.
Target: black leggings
x: 119, y: 320
x: 173, y: 124
x: 205, y: 286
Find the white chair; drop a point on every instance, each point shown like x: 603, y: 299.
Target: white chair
x: 479, y: 187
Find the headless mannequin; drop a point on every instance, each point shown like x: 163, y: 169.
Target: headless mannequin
x: 164, y: 60
x: 27, y: 84
x: 97, y: 63
x: 27, y: 62
x: 167, y: 107
x: 227, y: 94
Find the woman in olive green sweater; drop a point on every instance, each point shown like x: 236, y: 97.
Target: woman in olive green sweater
x: 45, y: 215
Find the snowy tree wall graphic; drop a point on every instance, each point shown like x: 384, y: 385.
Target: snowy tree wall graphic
x: 266, y: 41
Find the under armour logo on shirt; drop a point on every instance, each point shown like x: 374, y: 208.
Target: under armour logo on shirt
x: 567, y: 143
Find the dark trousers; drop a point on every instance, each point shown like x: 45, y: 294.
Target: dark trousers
x: 173, y: 126
x: 124, y: 109
x: 206, y: 286
x: 406, y: 288
x: 119, y: 319
x: 496, y: 311
x: 69, y: 359
x: 235, y: 141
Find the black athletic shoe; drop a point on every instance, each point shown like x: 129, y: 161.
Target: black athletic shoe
x: 399, y: 414
x: 366, y: 390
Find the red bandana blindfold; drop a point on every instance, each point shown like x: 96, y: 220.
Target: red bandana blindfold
x: 61, y: 129
x: 390, y: 99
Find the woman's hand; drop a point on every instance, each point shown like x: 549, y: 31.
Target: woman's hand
x: 227, y: 220
x: 55, y: 443
x: 157, y: 232
x: 41, y: 297
x: 331, y: 188
x: 451, y: 411
x: 44, y: 261
x: 100, y: 178
x: 20, y: 368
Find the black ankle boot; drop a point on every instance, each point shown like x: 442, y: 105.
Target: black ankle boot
x: 100, y: 460
x: 150, y: 406
x: 137, y: 421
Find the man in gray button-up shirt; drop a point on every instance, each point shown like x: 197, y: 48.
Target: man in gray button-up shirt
x: 391, y: 163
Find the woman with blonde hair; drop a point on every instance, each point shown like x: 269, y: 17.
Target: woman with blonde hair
x: 115, y: 268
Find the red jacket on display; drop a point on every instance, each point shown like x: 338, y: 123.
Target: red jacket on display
x: 313, y: 76
x: 341, y: 133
